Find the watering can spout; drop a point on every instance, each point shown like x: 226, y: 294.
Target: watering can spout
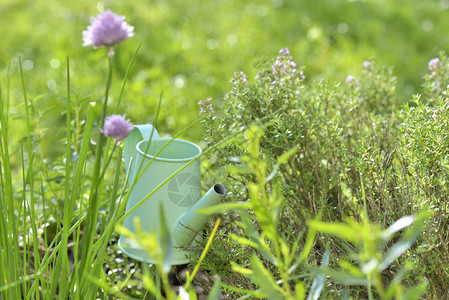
x: 188, y: 225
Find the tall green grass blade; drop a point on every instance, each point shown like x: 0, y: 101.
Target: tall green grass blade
x: 125, y: 79
x: 22, y: 215
x: 76, y: 188
x: 90, y: 227
x: 44, y: 283
x: 3, y: 254
x: 108, y: 146
x: 115, y: 186
x: 78, y: 185
x: 103, y: 239
x: 69, y: 202
x: 9, y: 229
x: 119, y: 100
x: 60, y: 270
x: 30, y: 180
x: 365, y: 220
x: 102, y: 242
x: 34, y: 220
x: 165, y: 240
x: 9, y: 236
x: 17, y: 283
x: 203, y: 255
x: 80, y: 169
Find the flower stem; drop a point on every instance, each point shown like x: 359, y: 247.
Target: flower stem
x: 88, y: 237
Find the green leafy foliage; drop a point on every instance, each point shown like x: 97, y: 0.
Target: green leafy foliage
x: 330, y: 154
x: 424, y: 143
x: 370, y: 241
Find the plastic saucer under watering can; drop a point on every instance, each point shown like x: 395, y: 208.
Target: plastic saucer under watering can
x: 180, y: 197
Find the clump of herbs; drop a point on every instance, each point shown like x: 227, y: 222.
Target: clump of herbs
x: 347, y: 154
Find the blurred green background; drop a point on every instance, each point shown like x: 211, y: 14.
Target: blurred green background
x: 190, y: 49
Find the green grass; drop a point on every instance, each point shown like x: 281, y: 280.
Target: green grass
x: 191, y: 49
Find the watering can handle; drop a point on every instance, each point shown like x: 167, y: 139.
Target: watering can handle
x: 129, y: 149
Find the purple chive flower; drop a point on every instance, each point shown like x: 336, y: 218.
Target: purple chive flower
x: 117, y: 126
x: 434, y: 64
x: 106, y: 30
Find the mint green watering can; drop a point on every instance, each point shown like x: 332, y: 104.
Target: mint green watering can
x: 180, y: 196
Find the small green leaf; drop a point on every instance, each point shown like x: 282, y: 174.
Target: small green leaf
x: 416, y: 292
x: 342, y: 230
x: 215, y: 292
x: 344, y: 277
x: 398, y: 225
x: 148, y: 281
x: 395, y: 251
x: 286, y: 155
x: 240, y: 169
x: 244, y: 271
x: 345, y: 265
x: 192, y: 294
x: 165, y: 239
x: 310, y: 239
x: 250, y: 230
x: 254, y: 134
x: 262, y: 212
x: 243, y: 241
x: 292, y: 254
x: 263, y: 278
x: 224, y: 207
x: 300, y: 292
x: 406, y: 242
x: 248, y: 293
x: 320, y: 279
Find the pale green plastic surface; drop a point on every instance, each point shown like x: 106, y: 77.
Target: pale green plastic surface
x: 178, y: 195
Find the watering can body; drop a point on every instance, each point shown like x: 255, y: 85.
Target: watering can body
x: 155, y: 161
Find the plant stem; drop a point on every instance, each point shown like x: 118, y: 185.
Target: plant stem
x: 366, y: 224
x: 90, y: 227
x: 203, y: 255
x: 30, y: 170
x: 60, y: 270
